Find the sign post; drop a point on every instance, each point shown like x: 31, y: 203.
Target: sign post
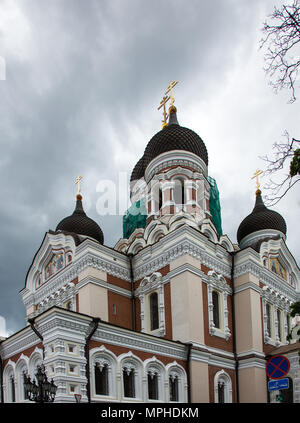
x: 275, y: 385
x: 277, y: 367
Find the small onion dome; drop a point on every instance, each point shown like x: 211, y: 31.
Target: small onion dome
x: 174, y: 137
x: 138, y: 170
x: 80, y: 224
x: 260, y: 219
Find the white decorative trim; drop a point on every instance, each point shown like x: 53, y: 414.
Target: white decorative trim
x: 223, y: 378
x: 259, y: 235
x: 218, y: 283
x: 175, y: 158
x: 149, y: 285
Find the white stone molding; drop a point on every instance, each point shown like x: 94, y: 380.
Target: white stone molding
x: 150, y: 284
x: 101, y: 357
x: 259, y: 235
x: 35, y: 360
x: 155, y: 367
x: 276, y: 300
x: 277, y: 248
x: 175, y: 158
x: 223, y: 378
x: 20, y: 369
x: 218, y: 283
x: 8, y: 375
x: 176, y: 370
x: 131, y: 362
x: 185, y: 240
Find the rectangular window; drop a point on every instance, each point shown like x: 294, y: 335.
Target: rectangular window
x: 154, y: 319
x: 221, y: 396
x: 153, y: 386
x: 173, y: 386
x: 288, y: 323
x: 279, y: 324
x: 216, y: 309
x: 101, y: 379
x: 128, y: 381
x: 268, y: 313
x: 13, y: 390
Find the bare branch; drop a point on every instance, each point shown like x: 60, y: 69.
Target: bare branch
x: 282, y: 157
x: 282, y: 41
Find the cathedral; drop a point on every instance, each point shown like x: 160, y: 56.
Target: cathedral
x: 175, y: 312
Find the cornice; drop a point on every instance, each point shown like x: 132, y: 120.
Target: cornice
x: 18, y: 343
x: 183, y: 240
x: 266, y: 277
x: 61, y: 321
x: 175, y: 158
x: 87, y: 259
x: 140, y: 341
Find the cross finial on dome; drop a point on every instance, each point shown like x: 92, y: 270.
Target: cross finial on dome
x: 165, y: 114
x: 170, y: 90
x: 77, y: 182
x: 256, y: 175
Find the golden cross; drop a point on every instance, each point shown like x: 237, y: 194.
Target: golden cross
x: 170, y: 90
x: 77, y: 182
x: 256, y: 175
x: 165, y: 114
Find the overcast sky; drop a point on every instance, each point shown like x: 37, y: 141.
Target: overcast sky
x: 83, y: 80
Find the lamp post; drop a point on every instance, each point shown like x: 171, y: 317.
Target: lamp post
x: 43, y: 391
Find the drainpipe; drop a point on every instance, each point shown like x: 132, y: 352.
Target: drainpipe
x: 132, y: 292
x: 188, y: 371
x: 31, y: 322
x: 234, y: 330
x: 95, y: 323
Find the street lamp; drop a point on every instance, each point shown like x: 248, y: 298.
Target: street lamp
x: 44, y: 391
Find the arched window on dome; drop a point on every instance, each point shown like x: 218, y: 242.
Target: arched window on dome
x: 179, y: 194
x: 160, y: 198
x: 157, y: 197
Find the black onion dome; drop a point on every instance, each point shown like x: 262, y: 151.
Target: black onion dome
x: 260, y: 218
x: 175, y: 137
x: 79, y: 223
x: 138, y: 170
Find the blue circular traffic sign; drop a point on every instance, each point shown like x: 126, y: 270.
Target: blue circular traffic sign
x: 277, y: 367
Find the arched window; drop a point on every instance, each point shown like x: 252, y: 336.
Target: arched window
x: 160, y: 198
x: 216, y: 309
x: 222, y: 387
x: 179, y: 197
x: 177, y: 382
x: 101, y: 379
x: 154, y: 317
x: 21, y: 370
x: 103, y: 372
